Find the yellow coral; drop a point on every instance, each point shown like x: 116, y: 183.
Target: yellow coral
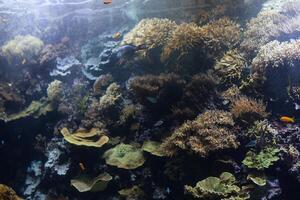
x: 92, y: 138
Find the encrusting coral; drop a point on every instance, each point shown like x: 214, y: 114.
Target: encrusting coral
x: 124, y: 156
x: 223, y: 187
x: 248, y: 110
x: 22, y: 49
x: 262, y: 160
x: 208, y: 133
x: 92, y: 138
x: 6, y: 193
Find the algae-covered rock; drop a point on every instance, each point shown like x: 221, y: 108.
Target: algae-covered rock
x: 263, y: 159
x: 154, y: 148
x: 124, y: 156
x: 35, y: 110
x: 215, y: 187
x: 92, y: 138
x: 22, y: 49
x: 85, y: 183
x: 6, y: 193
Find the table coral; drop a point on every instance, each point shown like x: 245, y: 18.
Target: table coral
x: 124, y: 156
x: 92, y: 138
x: 208, y: 133
x: 85, y: 183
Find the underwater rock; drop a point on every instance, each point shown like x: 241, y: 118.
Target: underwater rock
x: 124, y: 156
x: 6, y: 193
x: 85, y: 183
x: 22, y: 50
x: 92, y: 138
x: 207, y: 133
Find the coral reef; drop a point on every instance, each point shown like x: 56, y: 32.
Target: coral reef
x: 6, y: 193
x: 84, y: 183
x: 208, y: 133
x: 134, y: 193
x: 124, y: 156
x: 92, y: 138
x: 22, y: 50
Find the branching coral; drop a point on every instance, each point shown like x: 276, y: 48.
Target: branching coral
x: 208, y: 133
x: 92, y: 138
x: 22, y: 49
x: 221, y: 187
x: 263, y: 160
x: 248, y: 110
x: 54, y: 90
x: 210, y: 39
x: 152, y: 33
x: 111, y: 97
x: 6, y: 193
x: 230, y: 67
x: 124, y: 156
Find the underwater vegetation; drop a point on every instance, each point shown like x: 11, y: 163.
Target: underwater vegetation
x: 198, y: 104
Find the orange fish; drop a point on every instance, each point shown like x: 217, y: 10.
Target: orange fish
x: 107, y: 1
x: 82, y: 167
x: 117, y: 35
x: 286, y: 119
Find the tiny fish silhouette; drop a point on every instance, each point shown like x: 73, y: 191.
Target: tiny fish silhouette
x: 107, y: 1
x: 286, y: 119
x: 82, y: 167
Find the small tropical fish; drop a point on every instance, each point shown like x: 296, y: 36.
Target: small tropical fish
x: 251, y: 143
x: 107, y: 1
x: 82, y: 167
x: 152, y: 100
x: 117, y: 35
x: 286, y: 119
x: 297, y: 106
x: 24, y: 61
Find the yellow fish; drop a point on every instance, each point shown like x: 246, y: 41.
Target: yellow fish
x: 286, y: 119
x: 117, y: 35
